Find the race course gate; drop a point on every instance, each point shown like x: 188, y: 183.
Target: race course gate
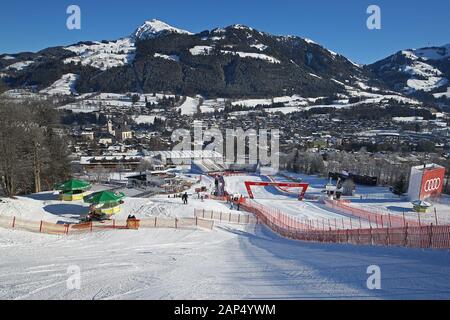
x: 303, y: 186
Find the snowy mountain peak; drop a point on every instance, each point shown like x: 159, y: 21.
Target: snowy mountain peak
x: 240, y: 27
x: 153, y: 28
x: 429, y: 53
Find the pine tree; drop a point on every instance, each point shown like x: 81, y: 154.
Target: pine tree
x: 400, y: 186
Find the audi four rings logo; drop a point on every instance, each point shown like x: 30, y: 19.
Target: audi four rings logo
x: 432, y: 184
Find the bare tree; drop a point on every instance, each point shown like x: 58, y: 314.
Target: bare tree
x: 29, y: 148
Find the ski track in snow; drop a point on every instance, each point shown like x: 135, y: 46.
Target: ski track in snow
x: 229, y: 262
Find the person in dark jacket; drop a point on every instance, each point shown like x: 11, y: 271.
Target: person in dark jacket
x: 185, y: 198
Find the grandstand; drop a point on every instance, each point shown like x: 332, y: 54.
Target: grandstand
x: 207, y: 165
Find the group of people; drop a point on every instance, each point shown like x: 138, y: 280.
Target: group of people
x: 234, y: 200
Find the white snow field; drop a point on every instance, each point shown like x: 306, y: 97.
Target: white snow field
x: 372, y: 199
x: 19, y: 65
x: 229, y: 262
x: 63, y: 86
x: 189, y: 107
x: 45, y: 206
x: 147, y: 119
x: 103, y: 55
x: 381, y: 200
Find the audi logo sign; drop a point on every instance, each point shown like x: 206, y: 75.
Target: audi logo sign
x: 432, y: 185
x: 426, y: 182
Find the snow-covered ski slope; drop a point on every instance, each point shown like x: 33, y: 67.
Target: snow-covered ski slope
x: 231, y: 262
x: 288, y: 203
x: 372, y: 199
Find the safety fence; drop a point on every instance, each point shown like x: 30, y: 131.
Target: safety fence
x: 293, y: 179
x: 225, y: 216
x: 382, y: 196
x: 217, y: 198
x: 382, y: 218
x: 289, y: 190
x: 92, y: 226
x: 274, y: 216
x: 430, y: 236
x: 176, y: 223
x: 33, y: 226
x: 228, y: 173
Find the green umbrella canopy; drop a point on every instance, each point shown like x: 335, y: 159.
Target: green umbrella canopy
x: 104, y: 197
x: 73, y: 184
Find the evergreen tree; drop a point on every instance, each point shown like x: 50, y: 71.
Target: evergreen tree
x: 400, y: 187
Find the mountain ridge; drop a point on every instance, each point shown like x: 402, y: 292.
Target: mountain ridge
x: 235, y: 61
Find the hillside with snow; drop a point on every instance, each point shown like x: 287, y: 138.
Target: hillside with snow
x: 412, y: 71
x: 236, y: 62
x: 158, y: 57
x: 154, y: 28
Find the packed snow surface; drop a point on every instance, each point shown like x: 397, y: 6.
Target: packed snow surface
x: 63, y: 86
x: 372, y: 199
x: 230, y: 262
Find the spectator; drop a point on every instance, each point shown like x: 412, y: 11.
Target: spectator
x: 185, y: 198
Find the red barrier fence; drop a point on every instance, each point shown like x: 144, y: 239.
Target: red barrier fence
x: 274, y: 216
x: 65, y: 229
x: 378, y: 218
x: 213, y: 197
x: 408, y: 236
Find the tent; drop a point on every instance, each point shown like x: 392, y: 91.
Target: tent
x: 105, y: 202
x: 73, y: 189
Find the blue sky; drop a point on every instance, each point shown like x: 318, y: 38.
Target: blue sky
x: 339, y: 25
